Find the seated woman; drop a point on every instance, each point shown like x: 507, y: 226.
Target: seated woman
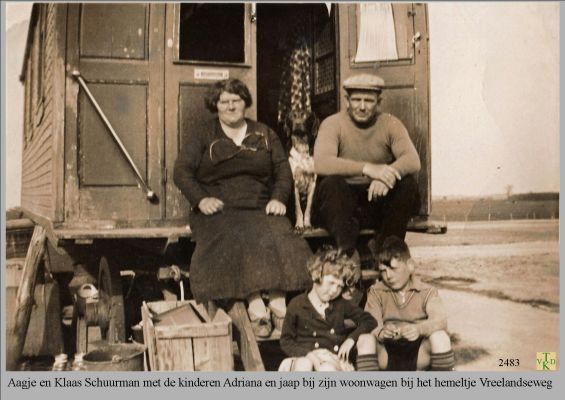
x: 236, y: 176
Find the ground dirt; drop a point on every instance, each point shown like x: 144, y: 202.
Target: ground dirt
x: 500, y: 285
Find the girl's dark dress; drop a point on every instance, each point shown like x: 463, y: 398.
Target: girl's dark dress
x: 240, y: 250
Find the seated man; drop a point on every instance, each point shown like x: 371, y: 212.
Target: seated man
x: 314, y: 334
x: 411, y: 334
x: 367, y: 164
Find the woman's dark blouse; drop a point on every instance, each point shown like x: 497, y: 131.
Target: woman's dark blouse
x: 253, y: 177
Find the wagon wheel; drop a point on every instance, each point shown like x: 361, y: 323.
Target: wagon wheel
x: 112, y: 325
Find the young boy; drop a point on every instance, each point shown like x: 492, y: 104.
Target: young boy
x: 411, y: 334
x: 314, y: 333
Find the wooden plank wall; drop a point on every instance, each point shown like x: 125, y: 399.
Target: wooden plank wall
x: 37, y: 174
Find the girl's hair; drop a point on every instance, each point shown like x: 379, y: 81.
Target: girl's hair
x: 329, y: 261
x: 234, y: 86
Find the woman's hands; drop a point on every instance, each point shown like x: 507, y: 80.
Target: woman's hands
x: 210, y: 205
x: 275, y: 207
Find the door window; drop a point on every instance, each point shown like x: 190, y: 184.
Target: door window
x: 382, y: 33
x: 212, y: 32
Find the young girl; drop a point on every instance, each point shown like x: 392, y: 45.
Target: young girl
x: 314, y: 333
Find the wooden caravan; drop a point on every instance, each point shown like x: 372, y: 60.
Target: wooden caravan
x: 112, y: 90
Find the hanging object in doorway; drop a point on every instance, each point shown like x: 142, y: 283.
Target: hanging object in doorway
x: 295, y: 88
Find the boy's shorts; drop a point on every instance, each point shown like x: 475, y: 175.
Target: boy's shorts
x: 402, y: 354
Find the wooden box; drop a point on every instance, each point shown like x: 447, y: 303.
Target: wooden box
x: 182, y: 336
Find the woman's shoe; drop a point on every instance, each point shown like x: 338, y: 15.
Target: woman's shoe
x: 277, y: 322
x: 262, y: 327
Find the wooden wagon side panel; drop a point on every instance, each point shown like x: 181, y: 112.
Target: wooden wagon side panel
x: 42, y: 157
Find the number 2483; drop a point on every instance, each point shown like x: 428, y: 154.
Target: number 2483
x: 509, y: 362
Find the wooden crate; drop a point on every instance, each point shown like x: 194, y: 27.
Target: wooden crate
x: 182, y: 336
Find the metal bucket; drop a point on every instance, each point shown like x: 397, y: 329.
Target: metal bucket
x: 115, y: 357
x: 137, y: 334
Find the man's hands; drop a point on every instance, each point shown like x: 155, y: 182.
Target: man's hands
x: 383, y: 177
x: 275, y: 207
x: 383, y: 173
x: 377, y: 189
x: 210, y: 205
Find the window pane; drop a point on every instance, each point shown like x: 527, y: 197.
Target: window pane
x: 212, y: 32
x: 377, y: 36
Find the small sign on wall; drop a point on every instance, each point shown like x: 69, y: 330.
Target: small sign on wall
x: 211, y: 74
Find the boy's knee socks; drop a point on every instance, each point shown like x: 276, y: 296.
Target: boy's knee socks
x: 367, y: 362
x: 442, y: 361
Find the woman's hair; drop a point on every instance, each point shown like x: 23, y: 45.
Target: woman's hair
x: 234, y: 86
x: 330, y: 261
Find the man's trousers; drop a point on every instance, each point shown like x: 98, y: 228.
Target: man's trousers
x: 343, y: 209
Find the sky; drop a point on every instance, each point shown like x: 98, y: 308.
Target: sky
x: 494, y: 97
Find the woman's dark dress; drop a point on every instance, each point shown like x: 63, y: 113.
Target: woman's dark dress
x: 240, y: 250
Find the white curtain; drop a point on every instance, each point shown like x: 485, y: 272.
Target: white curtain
x: 377, y: 37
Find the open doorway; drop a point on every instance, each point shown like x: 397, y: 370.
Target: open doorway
x: 296, y: 61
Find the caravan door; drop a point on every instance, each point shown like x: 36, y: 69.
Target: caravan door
x: 117, y: 49
x: 391, y: 39
x: 204, y: 43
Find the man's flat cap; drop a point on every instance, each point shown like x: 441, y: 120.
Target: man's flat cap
x: 364, y: 82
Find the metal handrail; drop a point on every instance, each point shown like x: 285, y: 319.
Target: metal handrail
x: 150, y: 194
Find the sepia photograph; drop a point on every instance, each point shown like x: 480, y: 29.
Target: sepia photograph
x: 228, y: 186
